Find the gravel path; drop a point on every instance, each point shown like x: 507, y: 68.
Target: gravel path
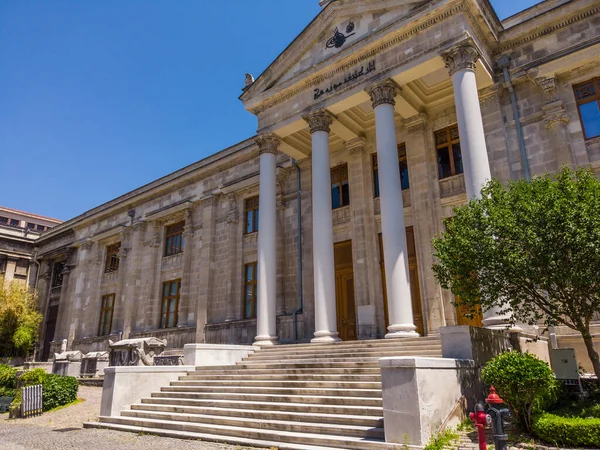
x: 63, y: 429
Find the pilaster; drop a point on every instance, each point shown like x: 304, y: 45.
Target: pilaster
x: 185, y: 318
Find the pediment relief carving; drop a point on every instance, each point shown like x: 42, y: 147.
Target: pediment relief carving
x: 337, y: 28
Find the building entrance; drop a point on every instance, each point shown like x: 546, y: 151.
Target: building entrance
x: 344, y: 291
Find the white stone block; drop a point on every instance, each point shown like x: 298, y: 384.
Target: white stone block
x: 214, y: 354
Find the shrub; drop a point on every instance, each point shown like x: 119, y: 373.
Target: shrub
x: 58, y: 390
x: 524, y: 382
x: 8, y: 381
x: 567, y: 431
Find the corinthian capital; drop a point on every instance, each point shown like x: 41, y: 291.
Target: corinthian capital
x: 383, y: 93
x: 462, y: 57
x: 320, y: 120
x: 267, y: 143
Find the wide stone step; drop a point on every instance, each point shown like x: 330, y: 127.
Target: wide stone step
x: 315, y: 442
x: 258, y: 390
x: 373, y: 343
x: 346, y: 353
x: 305, y: 364
x: 204, y: 421
x: 226, y: 384
x: 273, y: 398
x: 302, y: 376
x: 324, y: 369
x: 333, y: 358
x: 347, y: 419
x: 301, y: 407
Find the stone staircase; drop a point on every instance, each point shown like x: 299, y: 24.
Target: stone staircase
x: 303, y: 396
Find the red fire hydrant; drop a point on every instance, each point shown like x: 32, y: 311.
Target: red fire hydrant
x: 480, y: 419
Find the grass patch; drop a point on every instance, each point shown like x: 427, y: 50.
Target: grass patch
x: 75, y: 402
x: 442, y: 440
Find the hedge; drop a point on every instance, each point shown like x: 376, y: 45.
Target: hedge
x: 567, y: 431
x: 57, y: 390
x: 8, y: 381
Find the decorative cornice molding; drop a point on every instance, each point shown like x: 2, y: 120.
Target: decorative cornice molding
x: 416, y: 124
x: 548, y: 85
x: 356, y: 146
x: 556, y: 117
x: 383, y: 93
x: 462, y: 57
x: 319, y: 120
x: 267, y: 143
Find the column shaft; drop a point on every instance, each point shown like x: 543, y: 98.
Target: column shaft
x: 392, y: 214
x: 266, y: 320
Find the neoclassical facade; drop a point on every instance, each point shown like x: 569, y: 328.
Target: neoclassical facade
x: 378, y: 119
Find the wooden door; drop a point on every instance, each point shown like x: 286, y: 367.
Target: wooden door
x: 415, y: 287
x: 344, y: 291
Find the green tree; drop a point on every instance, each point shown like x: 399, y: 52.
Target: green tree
x: 19, y: 319
x: 530, y: 249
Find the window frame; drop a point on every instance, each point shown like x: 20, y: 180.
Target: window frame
x: 105, y: 309
x: 171, y: 232
x: 251, y: 207
x: 111, y: 261
x: 338, y: 175
x: 448, y: 144
x: 375, y: 169
x: 583, y: 101
x: 164, y: 317
x: 253, y: 283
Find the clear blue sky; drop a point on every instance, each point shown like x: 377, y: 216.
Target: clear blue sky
x: 99, y: 97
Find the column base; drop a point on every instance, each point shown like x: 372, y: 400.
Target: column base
x: 325, y: 337
x: 265, y: 341
x: 401, y: 331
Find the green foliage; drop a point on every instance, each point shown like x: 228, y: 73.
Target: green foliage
x: 58, y: 390
x: 524, y: 382
x: 8, y: 381
x: 19, y: 319
x: 442, y: 440
x: 530, y: 249
x: 567, y: 431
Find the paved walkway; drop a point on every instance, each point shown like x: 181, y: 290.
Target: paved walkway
x: 62, y: 430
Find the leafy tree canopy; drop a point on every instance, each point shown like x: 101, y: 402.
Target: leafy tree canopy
x: 19, y: 319
x: 530, y: 249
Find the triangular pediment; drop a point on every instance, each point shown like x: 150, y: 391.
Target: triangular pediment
x: 340, y: 26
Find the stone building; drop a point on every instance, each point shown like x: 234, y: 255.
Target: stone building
x: 378, y: 119
x: 19, y: 231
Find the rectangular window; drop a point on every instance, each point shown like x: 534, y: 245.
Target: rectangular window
x: 403, y: 170
x: 340, y: 192
x: 588, y: 103
x: 447, y: 144
x: 3, y: 220
x: 15, y: 223
x: 112, y: 258
x: 40, y: 228
x: 174, y: 239
x: 170, y: 304
x: 106, y: 314
x: 251, y: 214
x: 250, y: 287
x: 30, y: 226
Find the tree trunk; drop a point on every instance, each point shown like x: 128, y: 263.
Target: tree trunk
x: 593, y: 354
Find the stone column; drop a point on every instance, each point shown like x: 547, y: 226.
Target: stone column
x: 185, y: 299
x: 280, y: 244
x: 61, y: 332
x: 556, y: 121
x: 133, y: 276
x: 9, y: 273
x: 266, y: 320
x: 153, y: 299
x: 121, y: 300
x: 461, y: 62
x: 32, y: 272
x: 233, y: 220
x: 392, y: 213
x: 324, y: 267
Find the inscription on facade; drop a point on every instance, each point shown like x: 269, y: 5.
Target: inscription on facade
x: 348, y: 78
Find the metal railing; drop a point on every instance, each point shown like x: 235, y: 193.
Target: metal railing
x: 31, y: 403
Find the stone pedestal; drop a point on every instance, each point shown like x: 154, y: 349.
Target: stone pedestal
x: 93, y: 364
x: 67, y: 363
